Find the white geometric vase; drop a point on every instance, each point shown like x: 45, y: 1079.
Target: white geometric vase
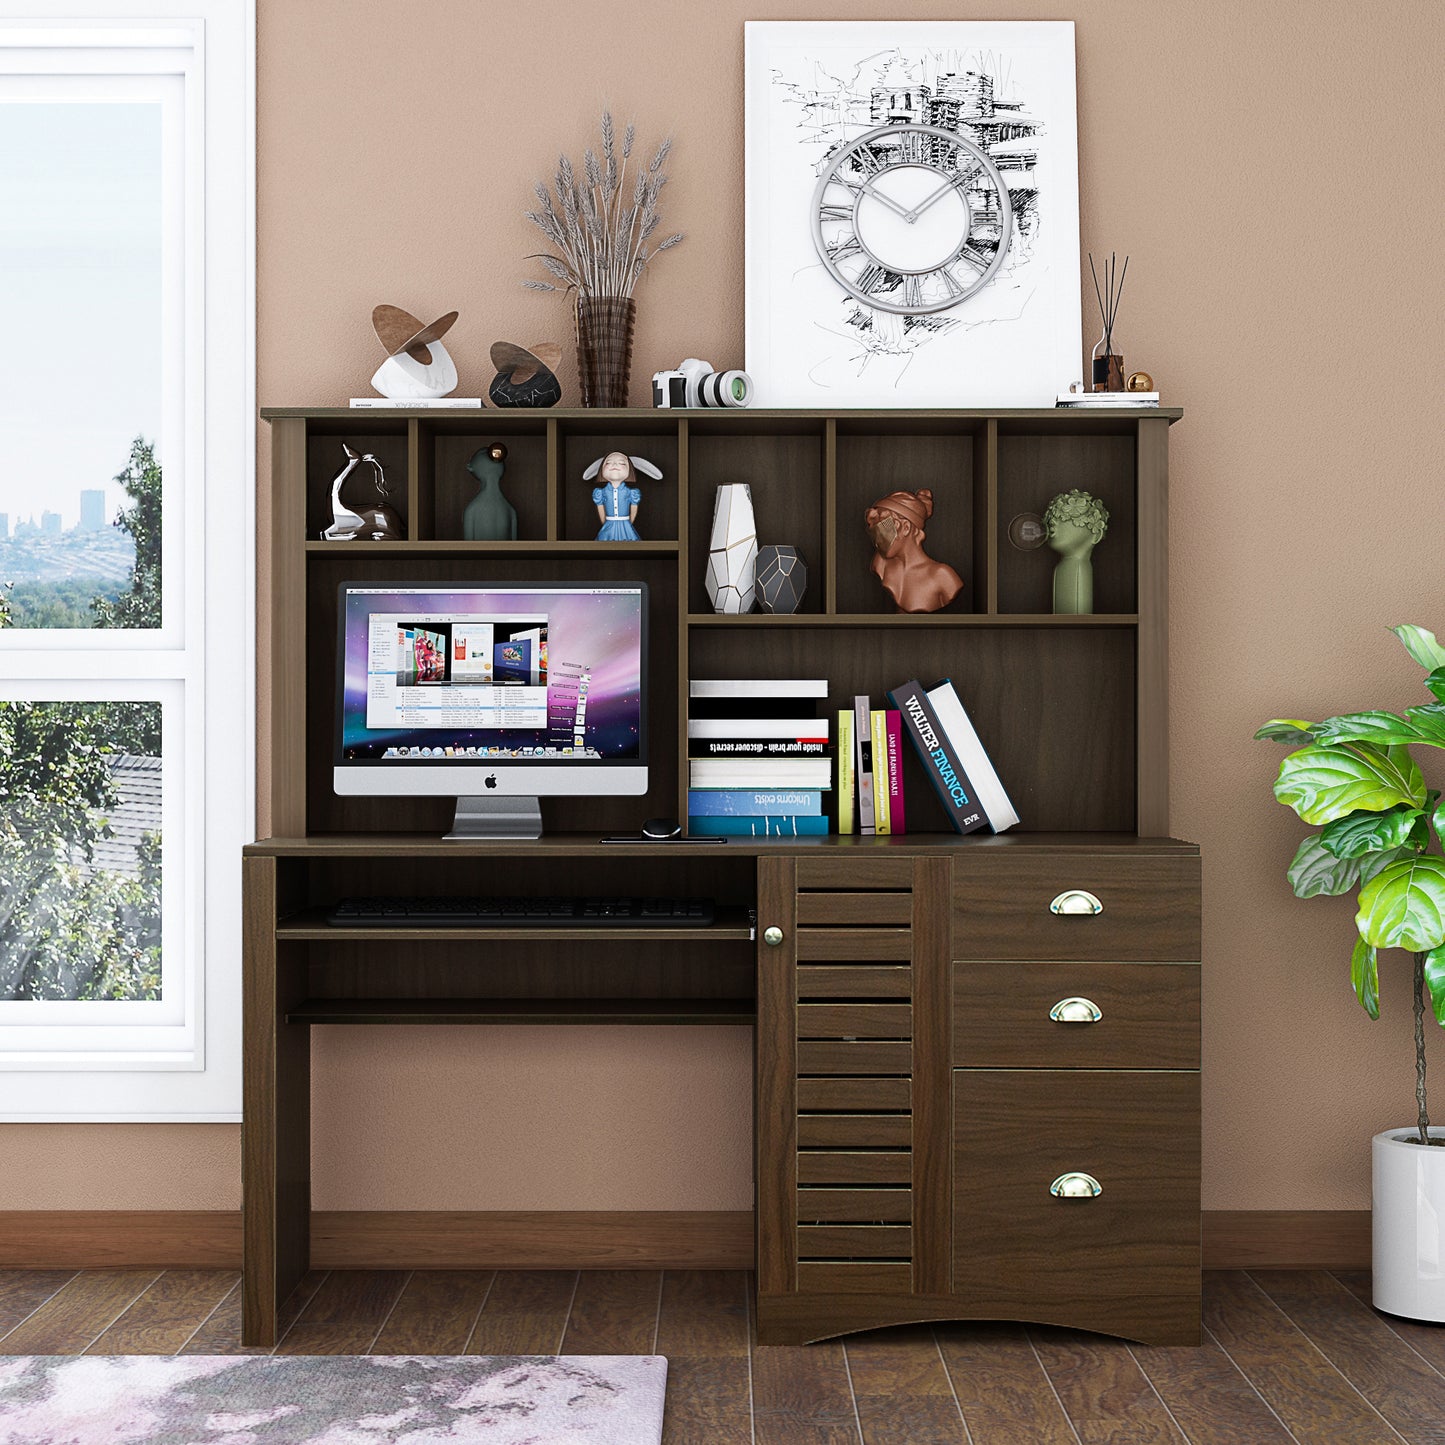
x: 733, y: 551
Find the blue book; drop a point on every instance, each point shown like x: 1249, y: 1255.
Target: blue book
x: 737, y: 802
x: 753, y: 825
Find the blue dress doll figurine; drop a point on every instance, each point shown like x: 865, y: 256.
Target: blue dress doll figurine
x: 618, y: 498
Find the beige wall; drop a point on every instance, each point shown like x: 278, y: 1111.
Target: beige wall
x: 1275, y: 173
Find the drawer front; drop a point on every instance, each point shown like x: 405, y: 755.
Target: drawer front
x: 1130, y: 1253
x: 855, y: 1206
x: 834, y: 869
x: 855, y: 1277
x: 830, y: 1056
x: 1150, y: 907
x: 855, y: 1241
x: 1148, y: 1015
x: 855, y: 1021
x: 855, y: 1131
x: 855, y: 1096
x: 842, y: 1166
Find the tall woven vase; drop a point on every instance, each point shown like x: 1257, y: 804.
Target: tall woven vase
x: 604, y: 348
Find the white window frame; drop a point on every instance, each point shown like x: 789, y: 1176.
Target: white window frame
x: 178, y: 1059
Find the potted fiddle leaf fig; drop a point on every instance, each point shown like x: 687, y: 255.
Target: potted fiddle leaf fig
x: 1354, y: 778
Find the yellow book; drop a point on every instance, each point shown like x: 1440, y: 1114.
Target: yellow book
x: 878, y: 731
x: 846, y: 782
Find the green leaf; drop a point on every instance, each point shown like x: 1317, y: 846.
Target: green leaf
x: 1436, y: 683
x: 1315, y: 870
x: 1286, y: 730
x: 1365, y: 976
x: 1403, y: 906
x: 1421, y: 645
x: 1437, y: 819
x: 1429, y: 723
x: 1373, y: 863
x: 1367, y: 832
x: 1325, y: 783
x: 1383, y: 729
x: 1435, y: 982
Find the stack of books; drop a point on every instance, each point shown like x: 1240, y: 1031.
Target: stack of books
x: 870, y: 769
x: 1102, y: 400
x: 760, y: 760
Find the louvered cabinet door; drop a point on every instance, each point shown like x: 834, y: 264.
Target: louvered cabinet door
x: 853, y: 1138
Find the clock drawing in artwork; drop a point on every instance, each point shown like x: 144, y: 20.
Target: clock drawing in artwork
x: 912, y: 220
x: 912, y: 213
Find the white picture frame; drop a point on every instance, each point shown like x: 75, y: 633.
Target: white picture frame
x: 815, y: 86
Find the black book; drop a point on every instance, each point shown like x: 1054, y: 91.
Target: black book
x: 940, y: 759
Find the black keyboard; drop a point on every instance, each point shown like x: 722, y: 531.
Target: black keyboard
x: 522, y: 913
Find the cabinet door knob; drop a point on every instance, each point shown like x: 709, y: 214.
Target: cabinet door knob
x: 1076, y: 1186
x: 773, y: 936
x: 1076, y: 1011
x: 1076, y: 900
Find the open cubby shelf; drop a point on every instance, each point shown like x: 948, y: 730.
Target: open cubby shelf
x: 1061, y: 702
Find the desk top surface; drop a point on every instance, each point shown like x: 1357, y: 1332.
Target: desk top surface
x: 397, y: 845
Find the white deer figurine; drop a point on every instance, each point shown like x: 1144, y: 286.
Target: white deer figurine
x: 379, y: 523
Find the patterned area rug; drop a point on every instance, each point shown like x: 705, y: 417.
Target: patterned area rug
x: 332, y: 1400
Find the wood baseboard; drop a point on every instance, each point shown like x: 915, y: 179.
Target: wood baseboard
x: 416, y: 1239
x: 1287, y: 1239
x: 533, y: 1240
x: 120, y: 1238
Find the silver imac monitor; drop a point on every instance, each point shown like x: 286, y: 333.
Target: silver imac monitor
x: 493, y: 695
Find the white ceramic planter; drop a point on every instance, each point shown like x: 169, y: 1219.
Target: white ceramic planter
x: 1409, y: 1225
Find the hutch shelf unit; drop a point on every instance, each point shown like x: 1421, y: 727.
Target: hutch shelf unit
x: 972, y: 1100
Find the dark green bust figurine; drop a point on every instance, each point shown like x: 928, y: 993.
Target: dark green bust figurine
x: 489, y: 516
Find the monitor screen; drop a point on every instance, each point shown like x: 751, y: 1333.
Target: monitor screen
x: 516, y: 675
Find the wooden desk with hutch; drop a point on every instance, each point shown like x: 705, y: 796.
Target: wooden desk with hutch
x: 943, y: 1129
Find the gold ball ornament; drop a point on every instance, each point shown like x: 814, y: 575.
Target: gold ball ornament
x: 1139, y: 381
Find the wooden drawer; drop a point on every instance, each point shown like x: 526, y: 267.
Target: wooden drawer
x: 854, y: 980
x: 1001, y: 906
x: 835, y: 868
x: 840, y: 1166
x: 862, y: 910
x: 855, y: 1131
x: 855, y: 1021
x: 854, y: 1096
x: 857, y: 1206
x: 1125, y: 1262
x: 866, y: 1056
x: 865, y: 945
x: 855, y: 1277
x: 1149, y: 1016
x: 855, y: 1241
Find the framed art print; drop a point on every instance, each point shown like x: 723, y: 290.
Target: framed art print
x: 912, y: 213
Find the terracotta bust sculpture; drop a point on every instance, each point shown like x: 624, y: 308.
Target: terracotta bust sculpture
x: 916, y: 582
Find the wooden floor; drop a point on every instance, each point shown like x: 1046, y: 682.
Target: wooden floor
x: 1287, y: 1356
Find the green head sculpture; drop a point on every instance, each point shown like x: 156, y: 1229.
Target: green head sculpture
x: 487, y: 464
x: 1075, y: 523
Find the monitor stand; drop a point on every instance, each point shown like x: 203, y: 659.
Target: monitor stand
x: 490, y: 817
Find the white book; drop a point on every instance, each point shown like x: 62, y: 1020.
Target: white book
x: 436, y: 403
x: 760, y: 773
x: 864, y: 762
x: 1108, y: 398
x: 954, y: 721
x: 758, y: 687
x: 790, y: 728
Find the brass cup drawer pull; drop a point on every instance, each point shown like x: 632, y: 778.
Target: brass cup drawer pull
x: 1076, y: 1011
x: 1076, y: 1186
x: 1076, y: 900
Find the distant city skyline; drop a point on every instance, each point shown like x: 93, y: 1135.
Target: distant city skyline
x: 80, y: 265
x: 93, y: 516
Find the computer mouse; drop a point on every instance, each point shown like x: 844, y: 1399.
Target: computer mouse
x: 661, y: 828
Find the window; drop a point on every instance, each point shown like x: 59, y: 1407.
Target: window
x: 126, y: 660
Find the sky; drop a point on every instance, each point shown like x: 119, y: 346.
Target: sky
x: 80, y: 294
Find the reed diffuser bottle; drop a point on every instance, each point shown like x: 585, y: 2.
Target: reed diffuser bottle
x: 1107, y: 369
